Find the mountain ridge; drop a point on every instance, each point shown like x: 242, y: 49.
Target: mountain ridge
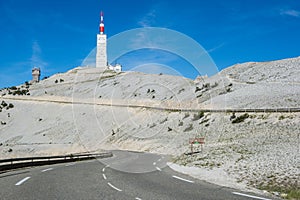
x: 63, y: 114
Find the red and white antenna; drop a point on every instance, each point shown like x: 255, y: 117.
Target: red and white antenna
x: 101, y: 27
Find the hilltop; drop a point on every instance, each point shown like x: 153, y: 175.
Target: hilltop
x: 86, y: 109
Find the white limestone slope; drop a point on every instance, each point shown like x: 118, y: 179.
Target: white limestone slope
x: 87, y: 109
x: 259, y: 85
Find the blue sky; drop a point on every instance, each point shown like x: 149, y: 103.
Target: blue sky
x: 56, y: 35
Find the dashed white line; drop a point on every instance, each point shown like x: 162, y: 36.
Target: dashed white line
x: 103, y: 170
x: 154, y: 163
x: 104, y: 176
x: 23, y: 180
x: 114, y: 187
x: 183, y: 179
x: 47, y: 169
x: 159, y: 160
x: 158, y: 168
x: 138, y: 198
x: 251, y: 196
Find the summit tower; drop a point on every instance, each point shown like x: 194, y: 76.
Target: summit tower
x: 101, y: 55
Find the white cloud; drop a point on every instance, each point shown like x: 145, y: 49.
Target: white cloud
x: 36, y: 59
x: 215, y: 48
x: 149, y: 19
x: 290, y: 12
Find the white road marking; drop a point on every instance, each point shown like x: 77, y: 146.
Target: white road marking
x: 47, y: 169
x: 159, y: 160
x: 154, y: 163
x: 138, y: 198
x: 158, y: 168
x: 23, y: 180
x: 114, y: 187
x: 104, y: 176
x: 103, y: 170
x: 247, y: 195
x: 183, y: 179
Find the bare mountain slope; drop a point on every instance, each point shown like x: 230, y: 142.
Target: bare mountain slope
x: 86, y: 109
x: 258, y: 85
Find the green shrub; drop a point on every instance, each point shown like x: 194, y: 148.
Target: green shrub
x: 189, y: 128
x: 198, y: 116
x: 198, y: 89
x: 198, y: 96
x: 153, y: 125
x: 181, y: 90
x: 3, y: 104
x: 164, y: 120
x: 232, y: 116
x: 281, y: 117
x: 241, y: 118
x: 186, y: 115
x: 204, y: 121
x: 206, y: 85
x: 180, y: 123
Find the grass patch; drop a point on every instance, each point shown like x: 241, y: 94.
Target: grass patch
x: 292, y: 193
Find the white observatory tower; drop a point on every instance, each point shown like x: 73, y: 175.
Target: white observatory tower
x: 36, y: 74
x: 101, y: 56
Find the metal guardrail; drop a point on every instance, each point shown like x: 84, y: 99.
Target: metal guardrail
x: 14, y: 163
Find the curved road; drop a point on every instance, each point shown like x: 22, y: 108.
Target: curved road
x: 127, y: 175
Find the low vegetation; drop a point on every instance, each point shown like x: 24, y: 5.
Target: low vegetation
x: 22, y: 90
x: 240, y: 119
x: 6, y: 105
x: 189, y: 128
x: 198, y: 116
x: 186, y: 115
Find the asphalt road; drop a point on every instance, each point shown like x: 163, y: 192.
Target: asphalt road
x: 127, y: 175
